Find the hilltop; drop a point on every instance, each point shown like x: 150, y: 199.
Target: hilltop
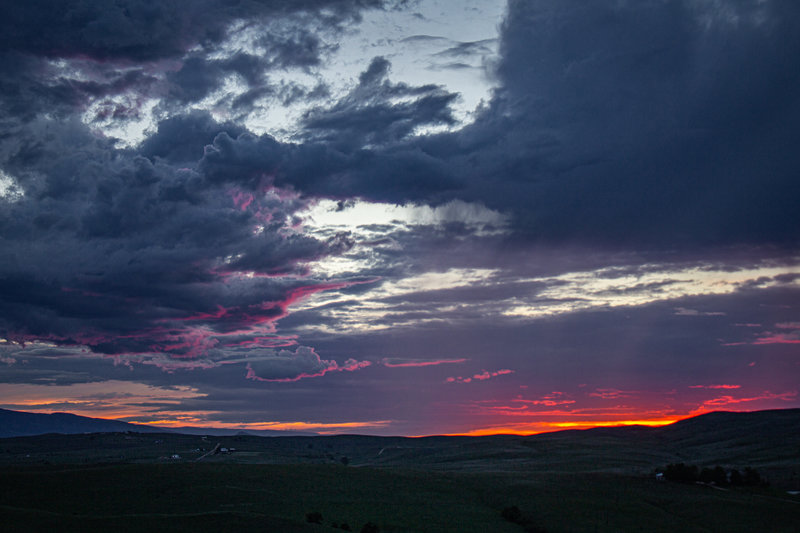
x: 21, y: 423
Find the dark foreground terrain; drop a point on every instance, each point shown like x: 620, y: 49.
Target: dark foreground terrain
x: 597, y: 480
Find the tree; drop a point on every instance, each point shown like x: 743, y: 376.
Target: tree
x: 314, y: 518
x: 736, y: 477
x: 719, y: 476
x: 751, y: 477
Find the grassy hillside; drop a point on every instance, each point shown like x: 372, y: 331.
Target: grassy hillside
x: 215, y: 497
x: 595, y: 480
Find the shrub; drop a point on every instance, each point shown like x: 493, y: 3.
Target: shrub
x: 512, y: 514
x: 369, y: 527
x: 314, y: 518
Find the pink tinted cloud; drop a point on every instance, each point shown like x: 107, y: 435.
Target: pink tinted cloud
x: 488, y: 375
x: 233, y: 326
x: 553, y: 399
x: 303, y: 363
x: 612, y: 394
x: 406, y: 364
x: 349, y: 366
x: 724, y: 401
x: 192, y: 336
x: 277, y: 341
x: 779, y: 338
x: 482, y: 376
x: 219, y: 313
x: 770, y: 337
x: 241, y: 199
x: 722, y: 386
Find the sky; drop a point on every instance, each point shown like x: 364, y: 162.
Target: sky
x: 399, y: 217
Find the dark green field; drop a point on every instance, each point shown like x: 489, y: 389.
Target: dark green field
x: 599, y: 480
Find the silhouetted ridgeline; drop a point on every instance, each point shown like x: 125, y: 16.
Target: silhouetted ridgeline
x: 19, y: 423
x: 767, y: 440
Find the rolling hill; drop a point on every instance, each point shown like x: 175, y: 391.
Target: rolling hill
x: 20, y: 423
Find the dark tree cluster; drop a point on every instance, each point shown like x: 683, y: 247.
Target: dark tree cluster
x: 716, y: 475
x: 683, y: 473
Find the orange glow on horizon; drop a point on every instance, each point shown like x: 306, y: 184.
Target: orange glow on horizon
x: 163, y: 407
x: 536, y: 428
x: 320, y: 427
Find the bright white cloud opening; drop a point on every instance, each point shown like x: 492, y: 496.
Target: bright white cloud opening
x: 369, y: 223
x: 9, y: 188
x: 356, y: 216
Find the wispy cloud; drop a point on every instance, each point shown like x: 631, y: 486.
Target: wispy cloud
x: 481, y: 376
x: 406, y: 363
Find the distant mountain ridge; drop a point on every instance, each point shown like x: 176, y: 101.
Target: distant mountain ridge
x: 26, y: 424
x: 22, y: 424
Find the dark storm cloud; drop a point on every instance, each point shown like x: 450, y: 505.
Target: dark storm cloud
x: 645, y: 122
x: 300, y: 48
x: 319, y: 169
x: 182, y: 138
x: 56, y: 55
x: 652, y: 124
x: 137, y: 30
x: 200, y: 76
x: 354, y: 148
x: 135, y: 250
x: 367, y: 116
x: 31, y: 85
x: 112, y: 250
